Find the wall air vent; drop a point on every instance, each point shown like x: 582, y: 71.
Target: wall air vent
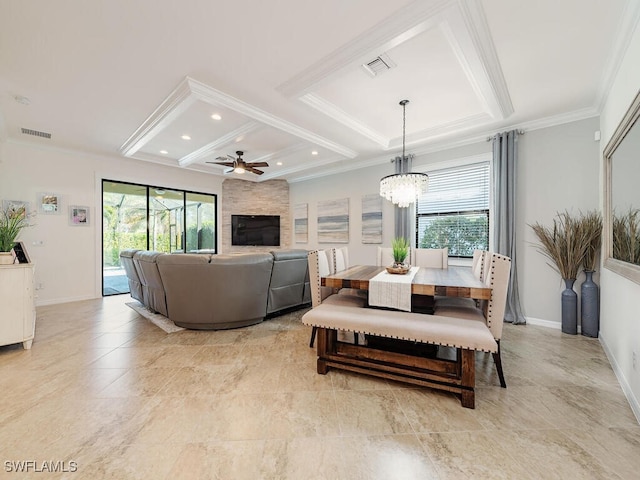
x: 35, y: 133
x: 378, y: 65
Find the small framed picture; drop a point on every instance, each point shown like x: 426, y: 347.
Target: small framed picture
x: 78, y: 215
x: 49, y: 203
x: 16, y: 208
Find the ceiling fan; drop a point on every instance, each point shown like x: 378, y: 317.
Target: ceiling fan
x: 238, y: 165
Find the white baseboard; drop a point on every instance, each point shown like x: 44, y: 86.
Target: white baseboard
x: 543, y: 323
x: 626, y: 388
x: 55, y: 301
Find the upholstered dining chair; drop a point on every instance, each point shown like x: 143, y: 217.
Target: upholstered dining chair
x: 491, y: 312
x: 320, y: 265
x: 341, y: 262
x: 431, y: 257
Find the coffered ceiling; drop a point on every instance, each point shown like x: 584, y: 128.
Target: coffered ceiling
x: 310, y: 87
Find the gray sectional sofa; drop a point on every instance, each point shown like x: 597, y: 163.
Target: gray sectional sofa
x: 211, y: 292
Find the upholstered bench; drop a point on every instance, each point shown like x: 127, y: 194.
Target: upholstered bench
x: 454, y: 375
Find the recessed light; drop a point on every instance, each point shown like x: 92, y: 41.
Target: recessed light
x: 314, y: 152
x: 164, y: 152
x: 278, y: 163
x: 216, y: 116
x: 186, y: 137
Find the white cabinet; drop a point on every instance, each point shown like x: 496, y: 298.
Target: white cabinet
x: 17, y: 304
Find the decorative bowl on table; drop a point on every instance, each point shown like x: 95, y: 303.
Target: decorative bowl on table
x: 399, y: 269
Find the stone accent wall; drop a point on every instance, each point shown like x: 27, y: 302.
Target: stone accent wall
x: 242, y: 197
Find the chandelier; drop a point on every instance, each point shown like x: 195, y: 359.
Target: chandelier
x: 403, y: 188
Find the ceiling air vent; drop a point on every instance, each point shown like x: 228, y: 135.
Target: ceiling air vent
x: 378, y: 65
x: 35, y: 133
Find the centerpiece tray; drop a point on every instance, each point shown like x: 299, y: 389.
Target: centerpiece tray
x: 399, y: 270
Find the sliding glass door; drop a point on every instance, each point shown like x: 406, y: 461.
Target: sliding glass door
x: 151, y: 218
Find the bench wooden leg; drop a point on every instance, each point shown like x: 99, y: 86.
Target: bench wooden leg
x: 326, y: 344
x: 468, y: 380
x: 497, y: 359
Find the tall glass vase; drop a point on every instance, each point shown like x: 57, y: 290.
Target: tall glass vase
x: 590, y: 306
x: 569, y: 308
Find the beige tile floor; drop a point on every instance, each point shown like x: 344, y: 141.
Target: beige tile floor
x: 108, y: 390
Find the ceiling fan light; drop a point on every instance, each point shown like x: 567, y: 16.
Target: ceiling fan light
x: 238, y: 169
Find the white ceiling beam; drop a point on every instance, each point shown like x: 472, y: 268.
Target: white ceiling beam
x: 215, y: 97
x: 332, y: 111
x: 173, y: 106
x: 468, y: 33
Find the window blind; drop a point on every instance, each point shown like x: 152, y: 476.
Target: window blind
x: 460, y: 189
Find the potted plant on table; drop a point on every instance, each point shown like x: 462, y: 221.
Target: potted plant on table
x: 400, y: 249
x: 12, y: 221
x: 565, y: 245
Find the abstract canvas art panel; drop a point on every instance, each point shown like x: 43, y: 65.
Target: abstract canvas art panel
x: 333, y: 221
x: 372, y: 218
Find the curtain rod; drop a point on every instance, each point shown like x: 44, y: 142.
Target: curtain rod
x: 520, y: 132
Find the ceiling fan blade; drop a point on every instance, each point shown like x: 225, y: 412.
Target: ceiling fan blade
x: 254, y: 170
x: 221, y: 158
x: 226, y: 164
x: 230, y: 170
x: 258, y: 164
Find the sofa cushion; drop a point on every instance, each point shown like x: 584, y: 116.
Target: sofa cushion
x: 135, y: 286
x: 216, y: 292
x: 153, y: 293
x: 288, y: 279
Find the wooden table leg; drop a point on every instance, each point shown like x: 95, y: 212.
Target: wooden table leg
x: 468, y: 378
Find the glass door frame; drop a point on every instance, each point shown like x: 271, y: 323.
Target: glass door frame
x: 185, y: 194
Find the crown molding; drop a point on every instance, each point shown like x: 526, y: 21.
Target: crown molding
x: 445, y: 129
x: 449, y: 144
x: 411, y: 20
x: 626, y: 29
x: 210, y: 148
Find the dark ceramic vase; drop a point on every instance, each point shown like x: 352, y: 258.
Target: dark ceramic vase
x: 569, y: 308
x: 590, y: 306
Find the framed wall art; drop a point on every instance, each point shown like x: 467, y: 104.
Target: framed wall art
x: 49, y: 203
x: 78, y: 215
x: 16, y: 207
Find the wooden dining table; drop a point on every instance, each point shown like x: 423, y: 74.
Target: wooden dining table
x: 455, y: 281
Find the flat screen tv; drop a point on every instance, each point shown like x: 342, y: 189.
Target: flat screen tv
x: 255, y: 230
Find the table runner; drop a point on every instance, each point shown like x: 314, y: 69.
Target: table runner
x: 392, y: 291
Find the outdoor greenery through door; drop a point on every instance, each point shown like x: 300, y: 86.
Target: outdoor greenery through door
x: 152, y: 218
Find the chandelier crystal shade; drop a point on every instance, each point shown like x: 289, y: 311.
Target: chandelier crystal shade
x: 402, y: 189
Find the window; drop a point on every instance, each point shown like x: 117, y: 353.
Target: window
x: 454, y: 212
x: 151, y: 218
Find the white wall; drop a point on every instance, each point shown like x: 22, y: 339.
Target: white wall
x: 558, y: 170
x: 620, y: 321
x: 68, y: 264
